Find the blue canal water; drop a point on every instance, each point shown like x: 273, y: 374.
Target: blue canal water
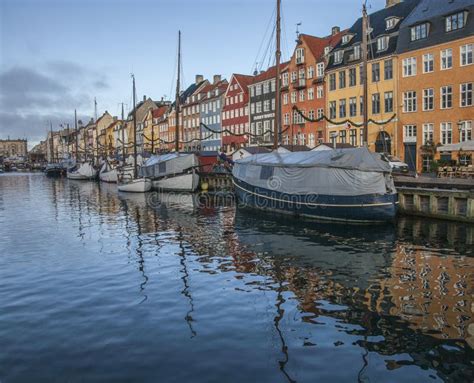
x: 101, y: 286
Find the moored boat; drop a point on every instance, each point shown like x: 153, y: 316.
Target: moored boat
x: 172, y: 172
x: 135, y: 185
x: 348, y: 185
x: 84, y: 171
x: 108, y: 173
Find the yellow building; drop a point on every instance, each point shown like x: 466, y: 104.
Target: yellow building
x: 344, y: 84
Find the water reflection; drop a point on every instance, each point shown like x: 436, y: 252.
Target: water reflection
x: 390, y: 303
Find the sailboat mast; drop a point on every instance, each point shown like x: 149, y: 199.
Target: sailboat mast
x: 134, y: 132
x: 276, y: 133
x: 52, y: 141
x: 364, y: 75
x: 77, y: 135
x: 122, y: 125
x: 177, y: 94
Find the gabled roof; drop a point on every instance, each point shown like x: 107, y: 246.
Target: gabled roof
x: 434, y: 13
x: 157, y: 113
x: 377, y: 21
x: 269, y: 73
x: 317, y: 44
x: 243, y: 80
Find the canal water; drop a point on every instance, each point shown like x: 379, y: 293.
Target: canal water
x: 101, y: 286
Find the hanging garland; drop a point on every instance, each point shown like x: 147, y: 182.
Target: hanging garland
x: 343, y: 122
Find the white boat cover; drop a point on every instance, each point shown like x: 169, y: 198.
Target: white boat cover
x: 348, y: 172
x: 168, y: 164
x: 86, y: 170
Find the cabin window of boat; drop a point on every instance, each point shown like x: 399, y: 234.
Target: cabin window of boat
x: 266, y: 172
x: 162, y: 167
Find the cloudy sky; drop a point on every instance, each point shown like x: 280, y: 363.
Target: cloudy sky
x: 57, y: 55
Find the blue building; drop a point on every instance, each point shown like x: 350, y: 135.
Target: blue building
x: 211, y: 102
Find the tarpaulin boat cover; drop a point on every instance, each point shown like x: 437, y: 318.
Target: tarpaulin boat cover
x: 87, y: 170
x: 347, y: 172
x: 167, y: 164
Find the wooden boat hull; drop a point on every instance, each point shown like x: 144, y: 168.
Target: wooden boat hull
x: 80, y: 177
x: 188, y: 182
x: 139, y: 185
x: 364, y: 208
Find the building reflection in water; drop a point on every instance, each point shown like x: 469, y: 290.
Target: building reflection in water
x: 411, y: 284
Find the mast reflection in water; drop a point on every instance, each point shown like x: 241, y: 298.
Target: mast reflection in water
x: 98, y: 285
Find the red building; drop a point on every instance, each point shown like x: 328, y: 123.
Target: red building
x: 235, y: 113
x: 303, y: 87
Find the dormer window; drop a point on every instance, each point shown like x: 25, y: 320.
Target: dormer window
x: 357, y: 52
x: 391, y: 22
x: 456, y: 21
x: 419, y: 32
x: 338, y: 56
x: 327, y: 50
x: 346, y: 39
x: 299, y: 55
x: 382, y: 43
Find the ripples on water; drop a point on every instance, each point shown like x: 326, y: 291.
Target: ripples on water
x: 99, y: 286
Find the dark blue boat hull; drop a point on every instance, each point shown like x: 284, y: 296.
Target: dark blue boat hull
x: 363, y: 208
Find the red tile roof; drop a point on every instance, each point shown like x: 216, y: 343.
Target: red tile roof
x: 243, y: 79
x: 269, y: 73
x: 317, y: 44
x: 157, y: 113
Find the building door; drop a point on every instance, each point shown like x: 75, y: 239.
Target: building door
x: 383, y: 144
x: 410, y: 156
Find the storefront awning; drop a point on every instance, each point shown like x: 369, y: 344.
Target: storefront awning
x: 466, y: 146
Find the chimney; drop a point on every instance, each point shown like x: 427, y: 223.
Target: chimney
x: 336, y: 30
x: 199, y: 78
x: 144, y: 98
x: 217, y: 78
x: 389, y: 3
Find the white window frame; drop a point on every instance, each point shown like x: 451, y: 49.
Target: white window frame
x: 409, y: 101
x: 446, y: 133
x: 428, y: 59
x: 446, y: 59
x: 464, y: 94
x: 409, y: 67
x: 466, y: 53
x: 428, y: 94
x: 444, y: 97
x: 428, y: 133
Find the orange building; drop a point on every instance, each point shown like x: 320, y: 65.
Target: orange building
x: 436, y: 80
x: 303, y: 87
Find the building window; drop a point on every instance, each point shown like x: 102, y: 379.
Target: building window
x: 375, y: 72
x: 466, y: 54
x: 409, y: 133
x: 352, y: 77
x: 353, y: 106
x: 338, y: 56
x: 342, y: 108
x: 361, y: 105
x: 320, y: 112
x: 311, y: 114
x: 311, y: 141
x: 446, y: 133
x: 284, y: 79
x: 376, y: 103
x: 388, y: 69
x: 342, y: 136
x: 320, y: 70
x: 311, y: 71
x: 353, y: 137
x: 388, y: 102
x: 428, y: 130
x: 409, y: 101
x: 356, y: 52
x: 293, y: 97
x: 342, y: 79
x: 285, y: 99
x: 258, y: 90
x: 259, y: 107
x: 286, y: 119
x: 382, y: 43
x: 310, y: 93
x: 390, y: 23
x: 428, y: 63
x: 266, y: 87
x: 346, y: 39
x: 456, y: 21
x: 266, y: 106
x: 419, y: 32
x: 332, y: 81
x: 466, y: 131
x: 362, y: 75
x: 428, y: 99
x: 294, y: 76
x: 427, y: 159
x: 409, y: 67
x: 332, y: 109
x: 446, y: 97
x: 466, y: 94
x: 299, y: 55
x: 252, y: 108
x: 302, y: 95
x: 446, y: 59
x: 320, y: 92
